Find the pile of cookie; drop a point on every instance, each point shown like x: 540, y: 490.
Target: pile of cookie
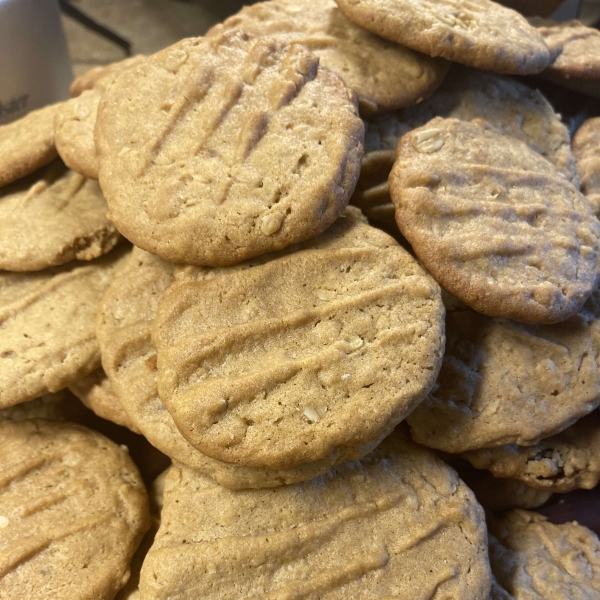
x: 321, y: 258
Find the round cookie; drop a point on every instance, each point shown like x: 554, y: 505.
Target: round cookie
x: 47, y: 327
x: 479, y: 33
x: 52, y: 217
x: 503, y: 382
x: 27, y: 144
x: 564, y: 462
x: 392, y: 523
x: 384, y: 75
x: 73, y: 510
x: 533, y: 558
x: 511, y: 107
x: 129, y: 359
x: 312, y: 352
x: 586, y: 148
x: 97, y: 394
x: 219, y: 149
x: 494, y: 222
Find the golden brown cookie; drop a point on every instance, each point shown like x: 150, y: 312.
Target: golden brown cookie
x: 586, y: 148
x: 73, y: 509
x: 564, y: 462
x: 129, y: 358
x: 97, y: 394
x: 503, y: 382
x: 52, y: 217
x: 505, y: 103
x: 532, y: 558
x: 384, y: 75
x: 494, y: 222
x: 392, y: 523
x: 243, y: 143
x: 47, y: 327
x: 479, y: 33
x: 310, y: 353
x: 27, y: 144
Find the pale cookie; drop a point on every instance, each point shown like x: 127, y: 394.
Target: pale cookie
x: 90, y: 78
x: 505, y: 103
x: 494, y: 222
x: 502, y: 382
x: 97, y: 394
x: 219, y: 149
x: 129, y: 359
x: 384, y: 75
x: 564, y: 462
x: 47, y: 327
x: 73, y: 510
x: 533, y: 559
x: 27, y: 144
x: 312, y: 352
x: 586, y: 148
x: 478, y: 33
x: 52, y: 217
x: 397, y: 524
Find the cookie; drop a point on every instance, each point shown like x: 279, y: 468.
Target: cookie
x: 244, y: 143
x: 129, y: 359
x: 52, y: 217
x: 47, y: 327
x: 503, y: 383
x: 310, y: 353
x: 586, y: 148
x: 494, y: 222
x: 533, y: 558
x: 395, y: 522
x: 505, y: 103
x: 74, y: 510
x: 479, y: 33
x: 90, y: 78
x: 97, y: 394
x: 27, y: 144
x: 384, y: 75
x: 74, y: 126
x: 564, y: 462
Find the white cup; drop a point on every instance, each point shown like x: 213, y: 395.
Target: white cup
x: 35, y: 69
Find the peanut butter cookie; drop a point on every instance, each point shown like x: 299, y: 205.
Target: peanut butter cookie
x: 494, y: 222
x: 392, y: 525
x: 586, y: 148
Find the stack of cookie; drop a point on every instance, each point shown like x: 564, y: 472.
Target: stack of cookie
x: 273, y: 341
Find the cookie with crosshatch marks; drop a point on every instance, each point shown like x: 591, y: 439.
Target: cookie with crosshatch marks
x: 73, y: 509
x: 398, y: 523
x: 219, y: 149
x: 495, y: 223
x: 314, y: 351
x: 478, y: 33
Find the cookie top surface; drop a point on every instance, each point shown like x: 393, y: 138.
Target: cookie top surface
x: 91, y: 78
x: 242, y: 142
x: 576, y: 48
x: 532, y: 558
x: 124, y: 331
x: 561, y: 463
x: 47, y: 327
x: 52, y: 217
x: 95, y: 391
x: 73, y: 510
x: 285, y: 362
x: 74, y: 132
x: 586, y: 148
x: 479, y: 33
x: 396, y: 521
x: 383, y: 75
x: 27, y: 144
x: 494, y: 222
x: 503, y: 382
